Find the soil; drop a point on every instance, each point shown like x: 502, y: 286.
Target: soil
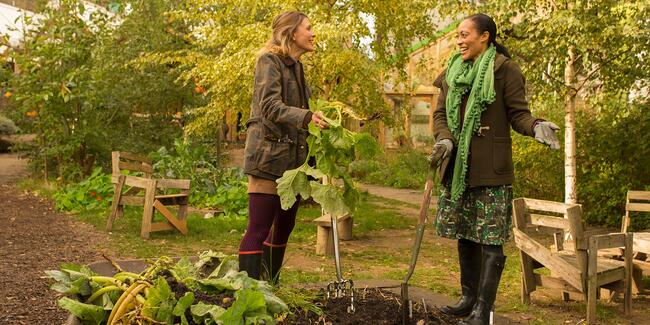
x: 35, y: 238
x: 372, y: 306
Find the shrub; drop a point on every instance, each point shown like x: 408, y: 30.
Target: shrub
x: 7, y: 126
x: 405, y: 168
x: 94, y: 192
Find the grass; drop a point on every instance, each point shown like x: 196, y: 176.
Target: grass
x: 437, y: 267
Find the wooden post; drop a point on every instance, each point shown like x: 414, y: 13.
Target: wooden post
x: 147, y: 215
x: 592, y: 282
x: 528, y: 281
x: 629, y: 266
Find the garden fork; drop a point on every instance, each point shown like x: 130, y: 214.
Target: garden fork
x: 341, y: 286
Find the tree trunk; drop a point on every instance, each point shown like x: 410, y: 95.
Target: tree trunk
x: 569, y: 135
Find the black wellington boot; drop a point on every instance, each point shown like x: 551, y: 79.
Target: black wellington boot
x: 251, y: 264
x: 469, y: 258
x: 272, y: 263
x: 493, y: 263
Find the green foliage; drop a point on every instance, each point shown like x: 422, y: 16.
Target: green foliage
x: 342, y: 68
x: 78, y: 92
x: 171, y: 289
x: 610, y: 53
x: 405, y: 168
x: 7, y: 126
x: 613, y: 151
x: 94, y: 192
x: 333, y: 149
x: 212, y: 186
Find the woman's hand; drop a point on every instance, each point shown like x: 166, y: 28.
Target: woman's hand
x: 319, y: 121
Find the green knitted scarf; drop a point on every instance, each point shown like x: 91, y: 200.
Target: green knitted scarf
x: 477, y: 78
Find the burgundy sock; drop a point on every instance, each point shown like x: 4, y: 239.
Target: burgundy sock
x: 262, y: 209
x: 283, y: 225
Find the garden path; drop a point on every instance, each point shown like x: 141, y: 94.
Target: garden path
x: 34, y: 238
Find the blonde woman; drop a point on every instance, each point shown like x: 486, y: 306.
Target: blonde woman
x: 276, y: 142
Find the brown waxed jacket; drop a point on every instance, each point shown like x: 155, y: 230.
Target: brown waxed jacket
x: 490, y: 158
x: 276, y: 138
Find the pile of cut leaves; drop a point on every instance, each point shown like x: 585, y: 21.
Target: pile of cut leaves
x: 209, y: 291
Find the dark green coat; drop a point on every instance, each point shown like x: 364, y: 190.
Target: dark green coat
x: 490, y: 159
x: 276, y: 138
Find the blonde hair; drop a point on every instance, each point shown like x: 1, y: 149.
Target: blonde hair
x: 284, y: 26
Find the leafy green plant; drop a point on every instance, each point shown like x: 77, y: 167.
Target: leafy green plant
x: 405, y: 168
x: 169, y: 292
x: 94, y: 192
x: 333, y: 150
x: 7, y: 126
x: 212, y: 186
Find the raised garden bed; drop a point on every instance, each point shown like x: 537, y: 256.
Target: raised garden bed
x: 373, y: 305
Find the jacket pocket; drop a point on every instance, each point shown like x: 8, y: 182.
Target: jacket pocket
x: 270, y: 130
x: 277, y: 157
x: 502, y: 155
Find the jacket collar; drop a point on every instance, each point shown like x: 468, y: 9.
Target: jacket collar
x: 499, y: 60
x: 288, y: 60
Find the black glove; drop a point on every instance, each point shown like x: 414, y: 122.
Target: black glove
x: 441, y: 150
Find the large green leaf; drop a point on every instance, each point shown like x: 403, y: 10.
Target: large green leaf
x: 92, y: 314
x: 202, y: 312
x: 248, y: 302
x: 330, y: 198
x: 293, y: 182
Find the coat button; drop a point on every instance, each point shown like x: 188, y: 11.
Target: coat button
x: 302, y: 147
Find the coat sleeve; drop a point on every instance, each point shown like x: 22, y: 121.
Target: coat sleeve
x: 268, y: 91
x: 440, y: 128
x: 514, y: 98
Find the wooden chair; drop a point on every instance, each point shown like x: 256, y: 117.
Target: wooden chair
x: 638, y: 201
x: 580, y: 270
x: 151, y: 200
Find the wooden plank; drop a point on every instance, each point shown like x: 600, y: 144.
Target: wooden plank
x: 550, y: 206
x: 576, y: 228
x: 326, y: 221
x: 324, y: 241
x: 182, y: 184
x: 135, y: 181
x: 592, y: 284
x: 139, y: 167
x: 555, y: 283
x: 558, y: 239
x: 629, y: 268
x: 132, y: 200
x: 638, y: 195
x: 549, y: 221
x: 528, y: 283
x: 180, y: 225
x: 117, y: 188
x: 638, y: 207
x: 609, y: 241
x: 556, y: 264
x: 147, y: 214
x: 161, y: 226
x: 611, y: 276
x: 135, y: 156
x: 115, y: 162
x: 642, y: 242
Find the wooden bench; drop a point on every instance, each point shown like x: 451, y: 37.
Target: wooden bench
x: 324, y: 237
x: 579, y: 269
x: 638, y: 201
x: 152, y: 200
